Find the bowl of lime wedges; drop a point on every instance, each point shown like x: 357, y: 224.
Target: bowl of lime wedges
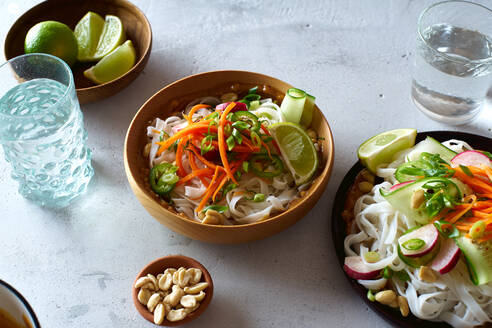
x: 106, y: 43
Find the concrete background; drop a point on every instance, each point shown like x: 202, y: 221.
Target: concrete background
x: 76, y: 266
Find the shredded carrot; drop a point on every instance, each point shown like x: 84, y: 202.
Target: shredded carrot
x: 453, y: 216
x: 478, y: 185
x: 196, y: 173
x: 487, y: 170
x: 222, y: 141
x: 192, y: 111
x: 191, y: 159
x: 202, y: 159
x: 156, y: 131
x: 209, y: 191
x: 179, y: 156
x: 196, y: 127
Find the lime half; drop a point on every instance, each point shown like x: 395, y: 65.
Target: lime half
x: 114, y: 65
x: 297, y: 150
x: 381, y: 148
x: 88, y: 31
x: 111, y: 37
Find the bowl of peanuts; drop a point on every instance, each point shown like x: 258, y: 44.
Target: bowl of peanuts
x: 172, y: 290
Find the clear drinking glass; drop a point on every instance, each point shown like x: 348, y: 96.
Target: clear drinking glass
x: 41, y: 129
x: 453, y: 61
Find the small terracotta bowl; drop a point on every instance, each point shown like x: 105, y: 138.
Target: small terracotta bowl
x: 136, y: 25
x: 174, y: 261
x: 173, y: 98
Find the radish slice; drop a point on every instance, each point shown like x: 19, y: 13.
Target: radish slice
x: 448, y: 256
x: 419, y: 242
x: 239, y: 106
x: 399, y: 185
x: 356, y: 268
x: 470, y: 158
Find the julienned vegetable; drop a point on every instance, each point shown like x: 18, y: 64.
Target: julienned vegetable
x: 443, y: 192
x: 221, y: 157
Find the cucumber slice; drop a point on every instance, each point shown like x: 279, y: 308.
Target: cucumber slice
x: 307, y: 112
x: 401, y: 198
x: 293, y: 105
x: 478, y: 258
x: 431, y: 145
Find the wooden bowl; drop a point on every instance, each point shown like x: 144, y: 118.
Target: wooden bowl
x: 173, y: 98
x: 136, y: 25
x: 174, y: 261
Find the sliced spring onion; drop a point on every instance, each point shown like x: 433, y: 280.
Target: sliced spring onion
x: 218, y: 208
x: 293, y: 105
x: 370, y: 296
x: 254, y: 105
x: 413, y: 244
x: 372, y: 257
x: 246, y: 166
x: 258, y: 198
x: 477, y: 230
x: 230, y: 142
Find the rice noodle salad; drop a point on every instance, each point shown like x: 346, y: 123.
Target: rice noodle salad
x: 226, y: 161
x: 420, y: 240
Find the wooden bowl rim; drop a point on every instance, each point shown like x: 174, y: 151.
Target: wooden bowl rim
x: 319, y: 181
x: 143, y: 55
x: 186, y: 262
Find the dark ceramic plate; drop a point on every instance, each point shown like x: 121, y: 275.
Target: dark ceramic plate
x: 338, y: 229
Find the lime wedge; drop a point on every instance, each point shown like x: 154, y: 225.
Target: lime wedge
x: 297, y: 150
x: 114, y: 65
x: 87, y: 31
x: 112, y: 36
x: 381, y: 148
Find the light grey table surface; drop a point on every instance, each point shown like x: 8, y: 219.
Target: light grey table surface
x: 76, y: 266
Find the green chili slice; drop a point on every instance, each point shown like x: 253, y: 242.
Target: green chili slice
x: 163, y: 178
x: 265, y: 167
x: 247, y: 117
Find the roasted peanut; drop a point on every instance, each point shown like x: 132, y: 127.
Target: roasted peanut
x: 183, y: 278
x: 153, y: 301
x: 199, y: 297
x: 196, y: 277
x: 195, y: 289
x: 146, y: 150
x: 417, y: 198
x: 365, y: 186
x: 176, y: 315
x: 159, y: 314
x: 188, y: 301
x: 426, y: 274
x: 228, y: 97
x: 368, y: 176
x: 170, y: 270
x: 385, y: 297
x: 173, y: 298
x: 312, y: 134
x: 403, y: 304
x: 142, y: 281
x: 213, y: 217
x: 166, y: 281
x: 143, y: 296
x: 154, y: 281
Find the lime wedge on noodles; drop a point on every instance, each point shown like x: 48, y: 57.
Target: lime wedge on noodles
x: 112, y: 36
x: 114, y: 65
x: 297, y: 150
x: 381, y: 148
x: 88, y: 31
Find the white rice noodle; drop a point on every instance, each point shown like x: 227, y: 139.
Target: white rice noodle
x: 453, y: 298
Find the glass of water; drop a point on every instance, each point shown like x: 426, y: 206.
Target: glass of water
x: 453, y: 61
x: 41, y: 129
